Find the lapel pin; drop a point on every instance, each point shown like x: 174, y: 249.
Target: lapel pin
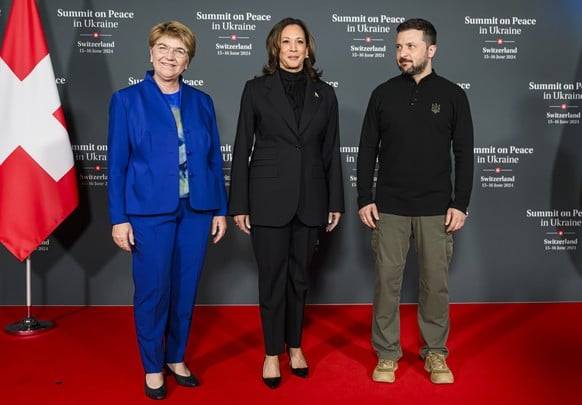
x: 315, y: 94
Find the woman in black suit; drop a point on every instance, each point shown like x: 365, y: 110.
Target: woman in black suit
x: 288, y: 126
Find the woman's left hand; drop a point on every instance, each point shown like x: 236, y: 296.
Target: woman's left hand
x: 218, y: 228
x: 332, y: 220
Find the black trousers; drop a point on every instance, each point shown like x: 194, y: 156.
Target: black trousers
x: 283, y: 256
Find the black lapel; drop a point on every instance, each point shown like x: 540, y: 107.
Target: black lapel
x: 310, y: 105
x: 279, y: 100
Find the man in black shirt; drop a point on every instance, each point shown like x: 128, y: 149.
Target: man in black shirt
x: 411, y: 123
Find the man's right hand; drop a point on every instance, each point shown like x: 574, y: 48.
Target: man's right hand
x: 243, y: 222
x: 368, y: 215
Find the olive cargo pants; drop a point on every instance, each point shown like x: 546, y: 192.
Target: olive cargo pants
x: 390, y: 243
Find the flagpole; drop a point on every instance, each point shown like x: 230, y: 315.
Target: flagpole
x: 28, y: 288
x: 30, y: 325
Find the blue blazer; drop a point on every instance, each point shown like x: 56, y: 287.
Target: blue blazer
x: 143, y: 152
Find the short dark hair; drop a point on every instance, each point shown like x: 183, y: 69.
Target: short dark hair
x: 428, y: 30
x: 273, y: 47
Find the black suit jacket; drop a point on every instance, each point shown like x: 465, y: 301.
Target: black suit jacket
x: 291, y: 171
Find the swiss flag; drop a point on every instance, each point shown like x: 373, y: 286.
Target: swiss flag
x: 38, y: 181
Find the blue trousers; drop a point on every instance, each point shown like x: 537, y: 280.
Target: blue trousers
x: 167, y: 261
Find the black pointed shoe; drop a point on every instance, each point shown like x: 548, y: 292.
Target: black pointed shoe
x: 185, y: 381
x: 272, y: 382
x: 155, y: 393
x: 299, y: 371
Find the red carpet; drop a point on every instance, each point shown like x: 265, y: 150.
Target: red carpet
x: 500, y: 354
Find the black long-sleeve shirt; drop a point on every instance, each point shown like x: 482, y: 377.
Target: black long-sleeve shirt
x: 294, y: 84
x: 410, y: 127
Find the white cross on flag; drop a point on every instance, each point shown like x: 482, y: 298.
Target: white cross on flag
x: 38, y: 181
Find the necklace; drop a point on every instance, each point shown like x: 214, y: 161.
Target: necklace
x: 168, y: 88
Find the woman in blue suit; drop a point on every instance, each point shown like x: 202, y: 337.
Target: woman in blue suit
x: 166, y: 193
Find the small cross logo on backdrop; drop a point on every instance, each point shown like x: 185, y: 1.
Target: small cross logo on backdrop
x: 435, y: 108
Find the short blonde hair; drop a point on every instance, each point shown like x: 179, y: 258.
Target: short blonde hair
x: 177, y: 30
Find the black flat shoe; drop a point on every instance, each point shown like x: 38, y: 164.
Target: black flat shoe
x: 299, y: 371
x: 272, y: 382
x: 155, y: 393
x: 185, y: 381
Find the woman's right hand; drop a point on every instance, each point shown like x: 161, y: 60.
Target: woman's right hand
x: 243, y: 222
x: 123, y: 236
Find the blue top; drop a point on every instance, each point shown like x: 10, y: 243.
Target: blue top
x: 173, y: 100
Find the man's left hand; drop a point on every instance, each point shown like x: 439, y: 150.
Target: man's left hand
x: 454, y: 220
